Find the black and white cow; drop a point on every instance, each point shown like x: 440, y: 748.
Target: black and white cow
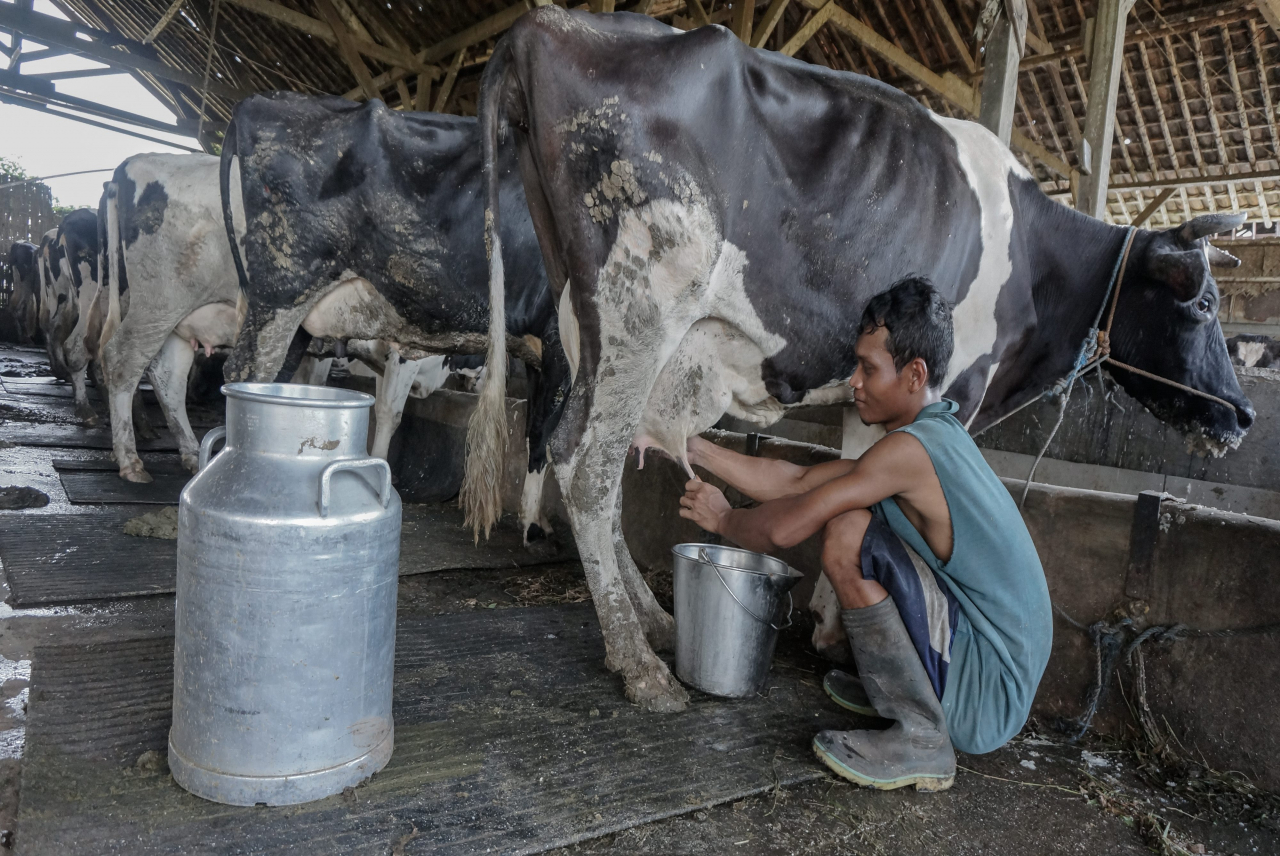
x: 169, y: 288
x: 69, y: 275
x: 714, y: 220
x: 23, y: 277
x: 1254, y: 351
x: 365, y: 223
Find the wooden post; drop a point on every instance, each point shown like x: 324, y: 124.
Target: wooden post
x: 744, y: 15
x: 1100, y: 117
x: 1000, y: 79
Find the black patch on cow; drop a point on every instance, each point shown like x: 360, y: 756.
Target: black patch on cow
x: 330, y: 186
x: 148, y: 213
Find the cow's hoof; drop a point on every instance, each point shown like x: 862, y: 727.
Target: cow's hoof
x: 135, y: 473
x: 87, y: 416
x: 146, y: 432
x: 192, y: 463
x: 657, y: 691
x: 533, y: 532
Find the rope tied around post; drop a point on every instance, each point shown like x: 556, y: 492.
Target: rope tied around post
x: 1121, y: 640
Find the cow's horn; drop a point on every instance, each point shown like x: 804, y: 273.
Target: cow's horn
x: 1220, y: 258
x: 1209, y: 224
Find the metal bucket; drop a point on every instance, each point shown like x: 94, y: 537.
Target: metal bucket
x: 288, y: 553
x: 727, y: 605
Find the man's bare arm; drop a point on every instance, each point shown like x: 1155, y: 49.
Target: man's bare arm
x: 888, y: 468
x: 762, y: 479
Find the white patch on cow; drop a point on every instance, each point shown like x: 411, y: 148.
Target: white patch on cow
x: 182, y: 283
x: 991, y: 373
x: 168, y: 373
x: 312, y: 371
x: 432, y: 374
x: 353, y: 308
x: 825, y: 606
x: 531, y: 510
x: 569, y: 331
x: 393, y: 388
x: 213, y: 325
x: 1250, y: 352
x: 986, y: 164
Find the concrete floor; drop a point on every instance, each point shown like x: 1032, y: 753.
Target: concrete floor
x: 1038, y: 795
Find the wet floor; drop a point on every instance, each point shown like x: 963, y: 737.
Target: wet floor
x: 1039, y: 795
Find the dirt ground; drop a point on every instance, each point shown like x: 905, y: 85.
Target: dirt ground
x: 1038, y: 795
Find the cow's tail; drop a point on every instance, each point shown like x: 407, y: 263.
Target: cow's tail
x: 230, y: 149
x: 110, y: 259
x: 481, y: 495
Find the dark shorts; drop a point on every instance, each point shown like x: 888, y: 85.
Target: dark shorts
x: 927, y: 607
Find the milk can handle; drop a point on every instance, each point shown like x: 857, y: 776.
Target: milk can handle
x: 702, y: 554
x: 206, y: 445
x: 358, y: 463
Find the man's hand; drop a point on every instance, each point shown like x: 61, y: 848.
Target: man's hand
x: 704, y: 505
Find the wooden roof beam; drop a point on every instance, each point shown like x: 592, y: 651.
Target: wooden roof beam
x: 1104, y: 87
x: 347, y: 48
x: 1270, y: 10
x: 324, y: 31
x: 1178, y: 25
x: 1191, y: 181
x: 471, y: 36
x: 1207, y: 91
x: 1243, y: 113
x: 957, y: 41
x: 948, y: 86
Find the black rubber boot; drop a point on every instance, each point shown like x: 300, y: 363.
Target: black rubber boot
x: 916, y: 749
x: 847, y: 691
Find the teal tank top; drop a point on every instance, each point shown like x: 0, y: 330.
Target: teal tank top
x: 1001, y: 641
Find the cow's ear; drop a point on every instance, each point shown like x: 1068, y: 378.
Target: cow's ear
x: 1182, y: 272
x: 1209, y: 224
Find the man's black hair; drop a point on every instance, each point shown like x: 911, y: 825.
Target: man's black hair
x: 919, y: 325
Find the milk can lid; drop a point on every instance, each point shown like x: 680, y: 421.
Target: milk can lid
x: 298, y: 395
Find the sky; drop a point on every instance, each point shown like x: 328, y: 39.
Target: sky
x: 45, y: 145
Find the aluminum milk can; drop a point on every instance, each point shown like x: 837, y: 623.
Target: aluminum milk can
x: 288, y: 554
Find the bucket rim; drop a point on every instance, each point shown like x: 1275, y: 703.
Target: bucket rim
x: 694, y: 548
x: 299, y: 395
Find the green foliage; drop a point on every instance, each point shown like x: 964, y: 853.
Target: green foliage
x: 12, y: 169
x: 64, y: 210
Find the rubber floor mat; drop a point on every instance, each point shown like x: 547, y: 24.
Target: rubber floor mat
x: 511, y: 737
x: 102, y: 463
x: 78, y: 437
x: 71, y: 558
x: 98, y: 488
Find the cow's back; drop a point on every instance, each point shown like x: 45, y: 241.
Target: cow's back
x: 333, y: 187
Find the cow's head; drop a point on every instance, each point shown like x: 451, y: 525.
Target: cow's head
x: 1167, y: 324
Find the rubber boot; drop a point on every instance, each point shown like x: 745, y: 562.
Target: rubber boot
x: 916, y: 749
x: 847, y: 691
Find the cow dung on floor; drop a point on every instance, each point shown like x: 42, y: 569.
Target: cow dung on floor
x: 13, y: 498
x: 154, y: 524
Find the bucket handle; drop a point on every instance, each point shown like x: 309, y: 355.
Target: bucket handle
x: 206, y: 445
x: 702, y: 554
x: 356, y: 464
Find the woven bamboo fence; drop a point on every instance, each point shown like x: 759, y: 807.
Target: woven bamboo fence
x: 26, y: 213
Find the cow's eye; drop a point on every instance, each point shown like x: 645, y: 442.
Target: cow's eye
x: 1204, y: 305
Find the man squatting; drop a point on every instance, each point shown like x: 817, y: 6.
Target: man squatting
x: 941, y: 592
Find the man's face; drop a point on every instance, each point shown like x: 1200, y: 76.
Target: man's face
x: 880, y: 392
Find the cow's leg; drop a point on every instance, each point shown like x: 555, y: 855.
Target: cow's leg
x: 125, y: 357
x: 659, y: 626
x: 393, y: 387
x: 269, y: 341
x: 142, y: 426
x: 84, y: 411
x: 168, y: 374
x: 591, y: 480
x: 533, y: 520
